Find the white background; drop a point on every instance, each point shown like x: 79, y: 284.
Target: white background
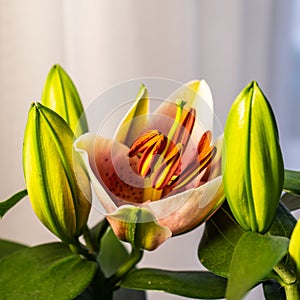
x: 102, y: 43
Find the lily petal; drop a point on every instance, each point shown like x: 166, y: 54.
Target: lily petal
x: 138, y: 226
x: 184, y: 211
x: 196, y: 94
x: 84, y: 145
x: 113, y: 174
x: 126, y: 132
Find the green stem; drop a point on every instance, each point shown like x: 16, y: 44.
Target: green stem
x: 101, y: 232
x: 78, y: 248
x: 90, y: 243
x: 288, y: 281
x: 292, y: 292
x: 134, y: 257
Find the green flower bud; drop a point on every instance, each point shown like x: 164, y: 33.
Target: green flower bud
x: 252, y: 161
x: 60, y: 94
x: 49, y: 168
x: 294, y: 248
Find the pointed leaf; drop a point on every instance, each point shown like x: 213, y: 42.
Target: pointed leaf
x: 292, y: 182
x: 291, y: 201
x: 220, y: 236
x: 283, y: 223
x: 49, y: 271
x: 254, y: 257
x: 222, y: 233
x: 6, y: 205
x: 192, y: 284
x: 8, y: 247
x: 112, y: 253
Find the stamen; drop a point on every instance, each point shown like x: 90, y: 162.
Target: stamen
x: 194, y: 169
x: 204, y: 142
x: 206, y: 154
x: 164, y: 174
x: 144, y: 141
x: 160, y: 155
x: 149, y: 156
x: 147, y: 146
x: 184, y: 130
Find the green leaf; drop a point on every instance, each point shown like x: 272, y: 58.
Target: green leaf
x: 273, y: 290
x: 126, y: 294
x: 49, y: 271
x: 220, y: 236
x: 222, y: 233
x: 6, y: 205
x: 292, y: 182
x: 291, y: 201
x: 112, y: 253
x: 283, y: 223
x: 119, y: 294
x: 190, y: 284
x: 8, y: 247
x: 253, y: 259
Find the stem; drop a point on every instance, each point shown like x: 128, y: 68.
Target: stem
x: 100, y: 234
x: 90, y: 243
x: 292, y: 292
x: 134, y: 257
x: 288, y: 281
x: 78, y: 248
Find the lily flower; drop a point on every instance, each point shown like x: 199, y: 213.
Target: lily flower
x: 160, y: 175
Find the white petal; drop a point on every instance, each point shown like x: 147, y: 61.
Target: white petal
x: 198, y: 95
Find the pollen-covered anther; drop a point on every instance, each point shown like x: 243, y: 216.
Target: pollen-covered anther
x: 204, y: 142
x: 166, y: 172
x: 149, y: 145
x: 144, y: 141
x: 198, y: 164
x: 184, y: 130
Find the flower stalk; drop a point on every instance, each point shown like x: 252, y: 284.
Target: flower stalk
x: 288, y: 281
x: 134, y: 257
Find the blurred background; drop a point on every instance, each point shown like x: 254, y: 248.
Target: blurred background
x: 101, y: 43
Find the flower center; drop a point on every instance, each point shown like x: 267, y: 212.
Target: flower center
x: 160, y: 156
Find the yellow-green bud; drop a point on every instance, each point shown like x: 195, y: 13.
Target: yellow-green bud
x: 294, y: 248
x: 252, y: 161
x: 52, y: 172
x: 60, y: 94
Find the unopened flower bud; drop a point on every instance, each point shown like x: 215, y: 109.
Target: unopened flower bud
x: 49, y: 168
x: 252, y: 161
x: 60, y: 95
x: 294, y: 248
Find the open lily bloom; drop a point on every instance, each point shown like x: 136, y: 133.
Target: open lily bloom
x: 160, y: 174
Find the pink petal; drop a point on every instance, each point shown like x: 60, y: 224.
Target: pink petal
x: 184, y: 211
x: 113, y: 173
